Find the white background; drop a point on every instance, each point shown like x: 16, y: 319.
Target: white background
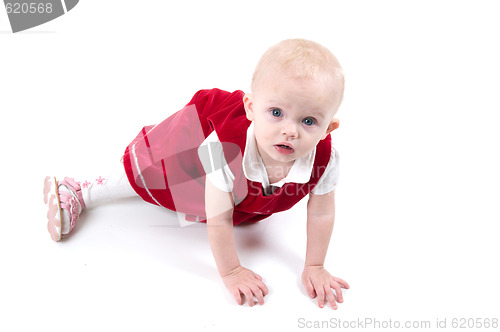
x: 417, y: 224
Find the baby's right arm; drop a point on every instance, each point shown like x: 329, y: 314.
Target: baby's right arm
x: 239, y: 280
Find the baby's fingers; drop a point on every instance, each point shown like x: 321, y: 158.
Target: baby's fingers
x: 309, y: 288
x: 341, y: 282
x: 331, y: 298
x: 263, y: 288
x: 237, y: 296
x: 248, y: 295
x: 257, y: 292
x: 338, y: 290
x: 257, y: 276
x: 321, y: 295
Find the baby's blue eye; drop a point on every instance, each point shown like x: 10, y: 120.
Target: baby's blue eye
x: 308, y: 121
x: 276, y: 112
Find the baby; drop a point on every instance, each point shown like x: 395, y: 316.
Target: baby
x: 231, y: 158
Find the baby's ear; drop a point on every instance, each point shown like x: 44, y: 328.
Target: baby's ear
x: 248, y: 103
x: 334, y: 124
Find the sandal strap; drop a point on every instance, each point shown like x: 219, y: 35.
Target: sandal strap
x: 71, y: 200
x: 71, y: 204
x: 72, y: 185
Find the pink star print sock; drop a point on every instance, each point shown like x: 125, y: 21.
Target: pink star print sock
x: 106, y: 189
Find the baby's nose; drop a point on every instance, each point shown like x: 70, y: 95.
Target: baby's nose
x: 289, y: 129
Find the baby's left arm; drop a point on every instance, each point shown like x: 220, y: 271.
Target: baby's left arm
x: 318, y: 281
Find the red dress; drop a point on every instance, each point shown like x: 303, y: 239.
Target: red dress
x: 163, y: 162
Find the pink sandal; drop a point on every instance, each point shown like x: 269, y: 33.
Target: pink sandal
x: 60, y: 196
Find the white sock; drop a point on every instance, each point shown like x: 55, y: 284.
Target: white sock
x: 106, y: 190
x: 101, y: 190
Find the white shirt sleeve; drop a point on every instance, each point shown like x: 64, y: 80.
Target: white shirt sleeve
x: 214, y: 163
x: 330, y: 177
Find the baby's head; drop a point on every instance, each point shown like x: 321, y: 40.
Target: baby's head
x: 302, y: 59
x: 297, y: 88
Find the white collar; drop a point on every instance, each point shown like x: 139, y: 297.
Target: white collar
x: 254, y: 169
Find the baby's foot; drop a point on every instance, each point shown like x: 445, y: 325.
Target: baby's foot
x: 65, y: 203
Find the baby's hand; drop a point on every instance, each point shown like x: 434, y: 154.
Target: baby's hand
x: 242, y: 281
x: 319, y: 282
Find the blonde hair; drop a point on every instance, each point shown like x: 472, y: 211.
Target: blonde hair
x: 302, y: 58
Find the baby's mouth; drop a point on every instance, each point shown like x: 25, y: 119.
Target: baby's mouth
x: 284, y: 148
